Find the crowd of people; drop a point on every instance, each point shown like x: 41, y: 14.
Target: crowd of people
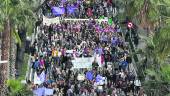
x: 54, y: 69
x: 59, y: 48
x: 84, y: 8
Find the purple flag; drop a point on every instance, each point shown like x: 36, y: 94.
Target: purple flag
x: 89, y: 75
x: 99, y: 78
x: 71, y: 9
x: 63, y: 1
x: 57, y: 11
x: 39, y: 91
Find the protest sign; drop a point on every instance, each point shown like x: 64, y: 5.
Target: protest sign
x: 89, y: 75
x: 80, y: 77
x: 49, y: 21
x: 39, y: 79
x: 110, y: 21
x: 83, y: 62
x: 48, y: 92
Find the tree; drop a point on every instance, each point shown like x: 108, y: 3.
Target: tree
x: 153, y: 14
x: 25, y: 21
x: 16, y: 88
x: 156, y: 67
x: 148, y: 13
x: 14, y: 15
x: 6, y: 36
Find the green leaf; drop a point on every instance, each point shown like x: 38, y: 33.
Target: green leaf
x: 153, y: 15
x: 16, y: 37
x: 167, y: 2
x: 151, y: 72
x: 15, y: 85
x: 165, y: 71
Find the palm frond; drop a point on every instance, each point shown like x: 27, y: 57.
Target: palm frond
x: 165, y: 72
x: 161, y: 41
x: 16, y: 37
x: 167, y: 2
x: 152, y: 73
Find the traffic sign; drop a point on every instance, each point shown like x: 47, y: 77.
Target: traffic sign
x: 130, y: 24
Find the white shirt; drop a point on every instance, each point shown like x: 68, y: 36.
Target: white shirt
x: 122, y: 75
x: 105, y: 4
x: 44, y: 53
x: 59, y: 54
x: 137, y: 83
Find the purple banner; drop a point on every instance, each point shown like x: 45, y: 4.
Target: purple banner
x: 57, y: 11
x: 63, y: 1
x: 71, y: 9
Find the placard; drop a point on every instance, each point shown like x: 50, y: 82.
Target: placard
x: 83, y: 62
x: 80, y: 77
x: 48, y: 92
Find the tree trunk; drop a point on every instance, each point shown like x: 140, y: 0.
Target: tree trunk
x: 12, y: 58
x: 145, y: 22
x: 4, y: 72
x: 20, y: 51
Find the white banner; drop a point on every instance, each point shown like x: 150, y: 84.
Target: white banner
x: 69, y: 51
x: 83, y: 62
x: 100, y: 20
x: 80, y: 77
x: 49, y: 21
x: 57, y: 20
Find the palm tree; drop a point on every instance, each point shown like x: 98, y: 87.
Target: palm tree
x: 14, y: 15
x: 148, y: 13
x: 25, y: 24
x: 156, y: 67
x: 6, y: 36
x: 154, y: 14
